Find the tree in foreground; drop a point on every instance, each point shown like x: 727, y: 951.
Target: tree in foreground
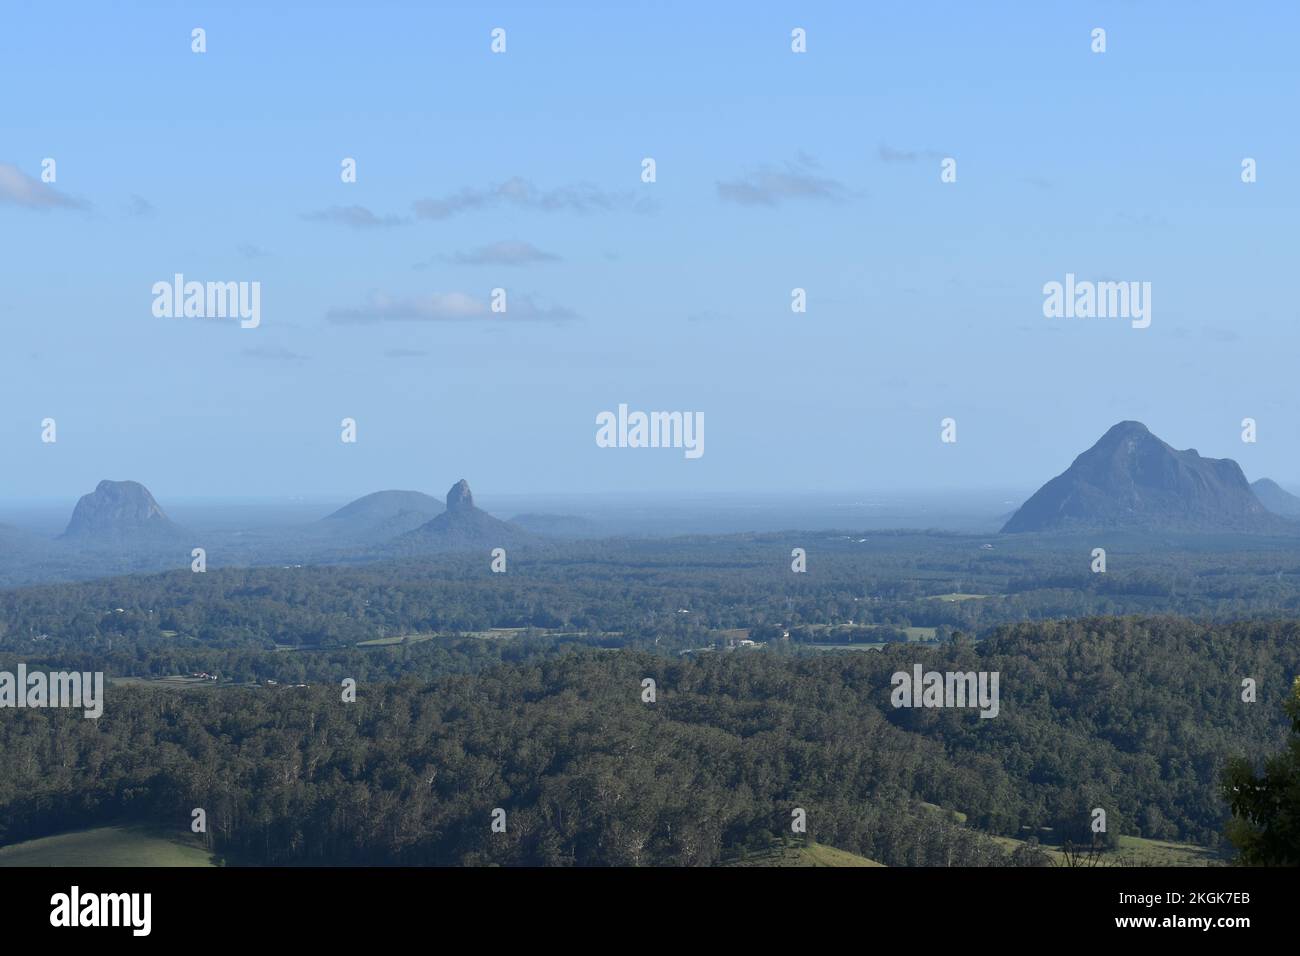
x: 1265, y: 824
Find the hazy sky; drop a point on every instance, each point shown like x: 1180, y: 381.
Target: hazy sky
x: 522, y: 170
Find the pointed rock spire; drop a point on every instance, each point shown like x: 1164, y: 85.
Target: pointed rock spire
x: 460, y: 498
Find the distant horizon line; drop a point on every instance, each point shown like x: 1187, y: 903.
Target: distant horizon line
x: 792, y: 495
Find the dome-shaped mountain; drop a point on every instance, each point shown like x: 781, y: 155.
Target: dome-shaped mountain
x: 1276, y: 498
x: 383, y: 505
x: 378, y: 517
x: 119, y: 511
x: 1131, y: 479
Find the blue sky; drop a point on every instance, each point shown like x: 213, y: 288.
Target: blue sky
x: 775, y: 170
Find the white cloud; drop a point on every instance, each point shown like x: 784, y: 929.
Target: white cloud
x: 22, y: 190
x: 355, y: 217
x: 448, y: 307
x: 507, y: 252
x: 770, y: 185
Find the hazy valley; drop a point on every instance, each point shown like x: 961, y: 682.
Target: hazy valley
x: 768, y: 651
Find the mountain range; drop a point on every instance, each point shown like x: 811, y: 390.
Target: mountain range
x: 1129, y: 480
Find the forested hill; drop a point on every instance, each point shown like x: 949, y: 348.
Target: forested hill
x: 1132, y: 715
x: 640, y: 589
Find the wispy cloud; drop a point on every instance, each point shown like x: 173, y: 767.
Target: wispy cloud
x: 888, y: 154
x: 523, y: 194
x: 449, y: 307
x: 507, y: 252
x: 250, y: 251
x: 354, y: 217
x: 772, y: 185
x: 22, y: 190
x: 464, y: 201
x: 140, y: 207
x: 273, y: 353
x: 516, y: 192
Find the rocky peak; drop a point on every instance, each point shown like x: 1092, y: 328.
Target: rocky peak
x: 1131, y: 479
x: 460, y: 498
x: 115, y: 507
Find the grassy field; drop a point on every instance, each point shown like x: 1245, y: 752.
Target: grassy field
x: 178, y: 682
x: 147, y: 846
x: 955, y: 815
x: 1138, y: 851
x: 918, y: 634
x: 843, y: 647
x: 109, y: 846
x: 1133, y: 851
x: 922, y: 634
x: 396, y: 639
x: 1143, y: 852
x: 496, y: 633
x: 811, y: 854
x: 491, y: 634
